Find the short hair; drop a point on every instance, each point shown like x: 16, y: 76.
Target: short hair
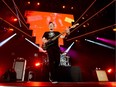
x: 52, y: 23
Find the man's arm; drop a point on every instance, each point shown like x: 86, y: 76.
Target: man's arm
x: 67, y: 33
x: 44, y: 40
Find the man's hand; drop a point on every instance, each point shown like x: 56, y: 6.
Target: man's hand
x: 67, y: 31
x: 44, y: 40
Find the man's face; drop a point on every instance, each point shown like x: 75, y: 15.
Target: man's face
x: 51, y: 26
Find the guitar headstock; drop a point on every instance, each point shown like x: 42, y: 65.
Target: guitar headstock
x: 68, y: 30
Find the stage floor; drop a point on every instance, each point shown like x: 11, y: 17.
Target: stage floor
x: 60, y: 84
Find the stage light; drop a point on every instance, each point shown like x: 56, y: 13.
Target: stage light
x: 38, y: 3
x: 98, y: 68
x: 109, y: 70
x: 84, y: 25
x: 6, y: 40
x: 112, y: 42
x: 37, y: 64
x: 40, y: 49
x: 35, y: 54
x: 29, y: 2
x: 78, y: 31
x: 83, y: 18
x: 63, y: 6
x: 15, y: 19
x: 114, y: 29
x: 76, y: 40
x: 87, y: 24
x: 11, y: 29
x: 67, y: 50
x: 100, y: 44
x: 72, y: 7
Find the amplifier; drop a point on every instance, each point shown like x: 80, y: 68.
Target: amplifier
x: 20, y: 65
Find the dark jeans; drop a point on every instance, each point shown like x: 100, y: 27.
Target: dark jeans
x: 54, y: 60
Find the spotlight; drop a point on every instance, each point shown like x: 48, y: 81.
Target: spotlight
x: 37, y: 64
x: 6, y: 40
x: 100, y: 44
x: 109, y: 41
x: 72, y: 7
x: 109, y: 70
x: 83, y: 18
x: 35, y: 54
x: 40, y: 49
x: 114, y: 29
x: 76, y: 40
x: 38, y: 3
x: 63, y: 6
x: 11, y: 29
x: 84, y: 25
x: 28, y: 2
x: 15, y: 19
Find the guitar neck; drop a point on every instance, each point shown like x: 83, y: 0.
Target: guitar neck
x: 57, y: 36
x: 63, y: 32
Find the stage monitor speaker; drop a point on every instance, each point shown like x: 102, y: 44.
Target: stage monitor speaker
x: 76, y: 74
x: 69, y: 74
x: 101, y: 75
x: 20, y: 65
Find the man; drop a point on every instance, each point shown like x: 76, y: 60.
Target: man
x: 50, y: 40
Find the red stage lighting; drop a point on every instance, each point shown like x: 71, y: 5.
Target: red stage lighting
x: 37, y: 64
x: 11, y: 29
x: 15, y: 19
x: 114, y: 29
x: 72, y: 7
x: 28, y: 2
x: 63, y: 6
x: 109, y: 70
x: 38, y: 3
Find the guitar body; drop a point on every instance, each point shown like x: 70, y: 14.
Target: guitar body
x: 46, y: 45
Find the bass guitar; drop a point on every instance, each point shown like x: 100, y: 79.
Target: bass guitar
x: 50, y: 41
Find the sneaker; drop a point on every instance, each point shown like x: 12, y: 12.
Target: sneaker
x: 53, y: 82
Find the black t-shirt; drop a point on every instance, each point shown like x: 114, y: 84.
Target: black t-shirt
x: 50, y: 35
